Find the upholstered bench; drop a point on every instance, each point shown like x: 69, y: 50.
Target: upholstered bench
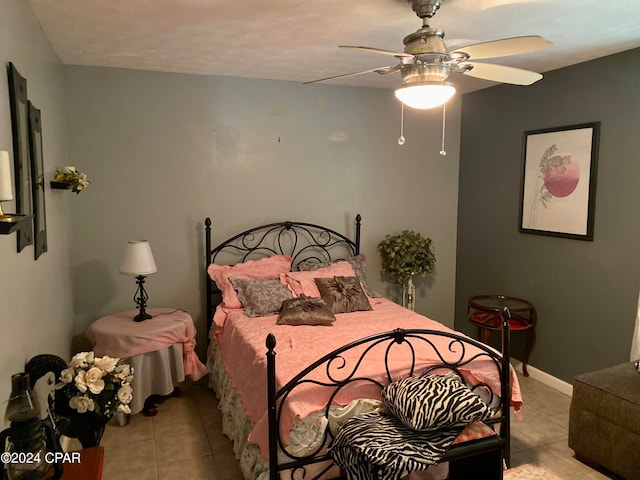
x: 604, y: 420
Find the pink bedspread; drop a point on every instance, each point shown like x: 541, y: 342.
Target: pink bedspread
x: 242, y: 344
x: 119, y: 336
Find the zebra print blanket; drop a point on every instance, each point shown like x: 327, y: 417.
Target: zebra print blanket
x: 375, y: 446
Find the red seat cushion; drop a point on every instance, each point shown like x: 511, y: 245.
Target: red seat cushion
x: 494, y: 320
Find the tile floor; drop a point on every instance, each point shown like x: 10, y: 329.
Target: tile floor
x: 184, y: 441
x: 541, y: 436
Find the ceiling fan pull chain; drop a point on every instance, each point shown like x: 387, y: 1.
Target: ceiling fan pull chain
x: 401, y: 138
x: 443, y: 152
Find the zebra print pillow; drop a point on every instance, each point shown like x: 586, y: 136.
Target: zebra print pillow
x: 433, y: 402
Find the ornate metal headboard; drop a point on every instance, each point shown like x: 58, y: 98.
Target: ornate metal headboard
x: 301, y: 241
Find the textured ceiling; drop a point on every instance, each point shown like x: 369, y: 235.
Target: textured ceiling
x: 297, y: 40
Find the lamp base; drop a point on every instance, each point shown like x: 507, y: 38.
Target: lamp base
x: 141, y: 298
x: 141, y: 317
x: 4, y: 217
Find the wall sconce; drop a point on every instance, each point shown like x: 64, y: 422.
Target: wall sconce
x: 138, y: 261
x: 6, y: 189
x: 9, y: 222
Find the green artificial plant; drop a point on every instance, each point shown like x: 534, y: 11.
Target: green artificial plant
x: 406, y: 255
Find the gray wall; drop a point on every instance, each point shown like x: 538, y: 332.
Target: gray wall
x: 166, y: 150
x: 585, y: 292
x: 35, y: 296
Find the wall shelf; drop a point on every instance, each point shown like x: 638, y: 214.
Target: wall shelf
x: 7, y: 227
x: 60, y: 185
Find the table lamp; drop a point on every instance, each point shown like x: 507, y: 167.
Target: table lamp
x: 138, y: 261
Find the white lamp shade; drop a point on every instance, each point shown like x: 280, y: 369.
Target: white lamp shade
x: 425, y: 94
x: 138, y: 259
x: 6, y: 186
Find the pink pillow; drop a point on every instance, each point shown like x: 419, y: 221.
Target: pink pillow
x: 263, y: 269
x: 303, y: 283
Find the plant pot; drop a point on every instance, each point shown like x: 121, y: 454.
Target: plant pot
x: 409, y: 295
x: 87, y: 427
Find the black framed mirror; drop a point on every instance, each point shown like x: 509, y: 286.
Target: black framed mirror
x: 22, y: 170
x: 37, y: 182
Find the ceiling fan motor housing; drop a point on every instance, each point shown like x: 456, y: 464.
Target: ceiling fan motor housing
x: 426, y: 41
x: 425, y: 8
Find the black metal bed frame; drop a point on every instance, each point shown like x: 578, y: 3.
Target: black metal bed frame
x: 300, y: 240
x: 481, y: 459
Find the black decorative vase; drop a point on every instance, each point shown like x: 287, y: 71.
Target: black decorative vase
x: 91, y: 438
x: 87, y: 427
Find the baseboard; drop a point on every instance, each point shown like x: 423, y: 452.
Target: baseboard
x: 544, y: 377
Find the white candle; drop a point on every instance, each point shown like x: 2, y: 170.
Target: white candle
x: 6, y: 185
x: 68, y: 169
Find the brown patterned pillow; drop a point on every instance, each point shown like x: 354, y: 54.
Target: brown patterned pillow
x: 358, y: 263
x: 343, y: 294
x: 305, y: 311
x: 260, y: 298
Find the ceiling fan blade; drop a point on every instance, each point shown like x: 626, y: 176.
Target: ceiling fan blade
x: 379, y: 50
x: 504, y: 47
x: 503, y: 74
x: 380, y: 70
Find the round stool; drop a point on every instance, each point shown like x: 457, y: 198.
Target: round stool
x: 484, y: 311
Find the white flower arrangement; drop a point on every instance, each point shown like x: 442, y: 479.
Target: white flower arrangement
x: 97, y: 384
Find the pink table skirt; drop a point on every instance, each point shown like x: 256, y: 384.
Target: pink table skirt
x: 119, y: 336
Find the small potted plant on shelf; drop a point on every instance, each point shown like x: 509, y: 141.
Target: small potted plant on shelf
x: 405, y: 256
x: 68, y: 177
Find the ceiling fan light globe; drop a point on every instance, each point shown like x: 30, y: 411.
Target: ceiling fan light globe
x: 425, y: 95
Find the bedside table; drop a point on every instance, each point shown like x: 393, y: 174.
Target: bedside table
x: 160, y: 350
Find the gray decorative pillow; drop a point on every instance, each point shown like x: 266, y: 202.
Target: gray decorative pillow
x: 432, y: 402
x: 343, y: 294
x: 260, y: 298
x: 358, y: 263
x: 305, y: 311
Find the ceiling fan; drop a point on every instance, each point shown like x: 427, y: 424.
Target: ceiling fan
x: 426, y: 63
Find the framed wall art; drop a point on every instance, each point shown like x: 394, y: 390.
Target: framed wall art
x: 37, y: 184
x: 559, y: 169
x: 22, y: 168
